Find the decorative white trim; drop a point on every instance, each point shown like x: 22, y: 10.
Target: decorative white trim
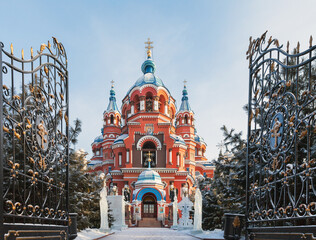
x: 182, y: 173
x: 180, y: 145
x: 133, y: 123
x: 198, y: 164
x: 146, y: 138
x: 118, y: 145
x: 190, y: 162
x: 116, y: 172
x: 139, y: 170
x: 154, y: 115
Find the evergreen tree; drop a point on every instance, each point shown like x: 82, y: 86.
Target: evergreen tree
x: 227, y: 190
x: 84, y: 191
x: 84, y: 187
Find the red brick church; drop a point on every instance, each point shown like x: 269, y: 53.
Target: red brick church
x: 149, y: 148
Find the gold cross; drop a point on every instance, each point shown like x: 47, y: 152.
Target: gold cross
x: 275, y: 132
x: 148, y: 44
x: 149, y: 47
x: 42, y: 132
x: 149, y: 155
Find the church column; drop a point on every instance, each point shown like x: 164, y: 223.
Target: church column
x: 142, y: 103
x: 166, y: 108
x: 178, y: 159
x: 156, y: 98
x: 132, y: 107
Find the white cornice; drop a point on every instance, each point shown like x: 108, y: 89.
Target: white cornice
x: 182, y: 173
x: 180, y: 145
x: 117, y: 145
x: 139, y: 170
x: 154, y: 115
x: 190, y: 162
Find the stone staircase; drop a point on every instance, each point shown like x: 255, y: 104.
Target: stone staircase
x: 149, y: 222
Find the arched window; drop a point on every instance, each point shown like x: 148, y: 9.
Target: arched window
x: 149, y: 102
x: 186, y: 119
x: 149, y: 150
x: 112, y: 119
x: 118, y: 120
x: 161, y: 106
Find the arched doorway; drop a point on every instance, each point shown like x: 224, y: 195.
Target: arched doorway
x: 149, y: 206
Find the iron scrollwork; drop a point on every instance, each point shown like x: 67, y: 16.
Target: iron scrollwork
x: 35, y: 135
x: 281, y: 135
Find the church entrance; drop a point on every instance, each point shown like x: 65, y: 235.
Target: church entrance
x: 149, y: 206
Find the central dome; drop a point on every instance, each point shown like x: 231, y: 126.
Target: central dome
x: 149, y: 77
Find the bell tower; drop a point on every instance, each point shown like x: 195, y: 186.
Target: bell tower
x: 186, y: 129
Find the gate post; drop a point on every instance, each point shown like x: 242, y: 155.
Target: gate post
x: 1, y: 146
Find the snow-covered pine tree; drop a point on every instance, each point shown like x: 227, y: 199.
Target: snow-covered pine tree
x: 84, y: 187
x: 211, y: 208
x: 227, y: 190
x: 84, y: 191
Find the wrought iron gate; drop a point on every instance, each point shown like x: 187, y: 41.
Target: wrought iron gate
x: 34, y: 143
x: 281, y: 184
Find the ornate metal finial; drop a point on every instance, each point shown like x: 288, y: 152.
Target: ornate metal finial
x: 31, y: 52
x: 149, y: 47
x: 287, y: 46
x: 311, y: 41
x: 11, y: 47
x: 298, y: 47
x: 185, y: 83
x: 220, y: 146
x: 22, y: 53
x: 112, y: 84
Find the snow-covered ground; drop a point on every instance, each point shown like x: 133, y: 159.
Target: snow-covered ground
x: 148, y: 234
x: 89, y: 234
x: 216, y: 234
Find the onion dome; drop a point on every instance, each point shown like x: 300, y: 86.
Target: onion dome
x: 177, y: 139
x: 98, y: 139
x: 148, y: 68
x: 120, y: 139
x: 199, y: 139
x: 112, y: 107
x: 149, y: 177
x: 185, y: 106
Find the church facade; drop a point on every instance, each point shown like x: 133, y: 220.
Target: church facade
x: 150, y: 150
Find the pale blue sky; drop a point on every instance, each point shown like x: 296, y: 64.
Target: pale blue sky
x: 203, y: 42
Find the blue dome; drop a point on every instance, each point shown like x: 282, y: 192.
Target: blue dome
x: 149, y: 176
x: 177, y: 139
x: 120, y: 139
x: 149, y: 78
x: 199, y: 139
x: 148, y: 68
x: 98, y: 139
